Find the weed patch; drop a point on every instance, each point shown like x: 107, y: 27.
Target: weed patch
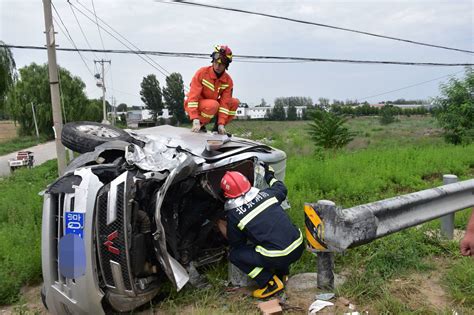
x: 20, y: 228
x: 18, y: 144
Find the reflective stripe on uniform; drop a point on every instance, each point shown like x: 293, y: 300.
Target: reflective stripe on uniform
x: 208, y: 84
x: 223, y: 110
x: 252, y: 214
x: 206, y: 115
x: 255, y: 272
x: 232, y: 112
x: 193, y: 104
x: 223, y: 86
x: 273, y: 181
x: 280, y: 253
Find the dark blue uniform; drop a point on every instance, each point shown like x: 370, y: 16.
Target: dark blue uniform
x: 262, y: 238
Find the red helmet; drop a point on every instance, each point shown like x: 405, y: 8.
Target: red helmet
x: 223, y: 54
x: 234, y: 184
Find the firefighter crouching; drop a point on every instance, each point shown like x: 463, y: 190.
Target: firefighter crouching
x: 211, y: 93
x: 263, y: 241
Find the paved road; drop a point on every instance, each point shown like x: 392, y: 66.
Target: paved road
x: 43, y: 152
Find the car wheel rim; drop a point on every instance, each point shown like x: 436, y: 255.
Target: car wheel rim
x: 98, y: 131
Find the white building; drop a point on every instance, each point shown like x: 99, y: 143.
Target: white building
x: 253, y: 112
x: 299, y: 111
x: 263, y: 112
x: 140, y: 115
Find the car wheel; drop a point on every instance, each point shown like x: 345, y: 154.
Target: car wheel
x: 84, y: 136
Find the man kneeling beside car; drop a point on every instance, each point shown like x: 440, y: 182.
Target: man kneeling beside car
x: 263, y: 240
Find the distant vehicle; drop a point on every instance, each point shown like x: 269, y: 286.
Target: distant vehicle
x: 135, y: 211
x: 22, y: 159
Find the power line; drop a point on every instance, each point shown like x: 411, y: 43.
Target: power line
x: 69, y: 37
x: 97, y: 23
x: 164, y: 72
x: 312, y: 23
x: 80, y: 27
x: 410, y: 86
x: 249, y: 58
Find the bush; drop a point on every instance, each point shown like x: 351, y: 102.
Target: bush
x: 327, y: 130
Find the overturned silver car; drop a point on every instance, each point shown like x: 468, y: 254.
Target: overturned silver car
x: 137, y: 210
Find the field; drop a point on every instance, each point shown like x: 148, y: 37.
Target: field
x: 414, y: 271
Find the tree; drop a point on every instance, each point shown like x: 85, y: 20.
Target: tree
x: 33, y: 88
x: 455, y: 109
x: 292, y: 114
x: 263, y: 103
x: 173, y: 94
x: 327, y: 130
x: 387, y: 114
x: 323, y: 103
x: 122, y: 107
x: 151, y: 95
x: 281, y: 102
x: 278, y: 112
x: 8, y: 75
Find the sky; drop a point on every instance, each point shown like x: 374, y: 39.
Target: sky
x: 158, y: 26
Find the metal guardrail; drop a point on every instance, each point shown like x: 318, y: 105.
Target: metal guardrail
x: 332, y: 229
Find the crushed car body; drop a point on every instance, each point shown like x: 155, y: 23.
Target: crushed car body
x: 137, y: 210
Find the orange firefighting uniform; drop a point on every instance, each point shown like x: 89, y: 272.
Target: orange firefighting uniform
x: 210, y: 95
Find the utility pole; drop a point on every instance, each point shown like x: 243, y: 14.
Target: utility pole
x: 102, y: 84
x: 114, y: 109
x: 54, y: 85
x: 34, y: 119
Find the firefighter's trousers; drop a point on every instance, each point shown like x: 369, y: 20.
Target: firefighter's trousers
x: 262, y: 268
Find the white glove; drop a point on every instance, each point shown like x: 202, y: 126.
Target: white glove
x: 221, y: 130
x: 196, y: 125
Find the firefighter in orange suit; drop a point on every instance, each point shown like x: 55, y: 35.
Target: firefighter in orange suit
x: 211, y: 93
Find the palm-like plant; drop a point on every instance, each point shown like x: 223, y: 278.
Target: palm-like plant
x: 327, y: 130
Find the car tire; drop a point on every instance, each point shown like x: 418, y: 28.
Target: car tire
x: 84, y: 136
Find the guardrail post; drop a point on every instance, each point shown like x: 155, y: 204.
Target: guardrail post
x: 447, y: 221
x: 325, y: 278
x: 325, y: 264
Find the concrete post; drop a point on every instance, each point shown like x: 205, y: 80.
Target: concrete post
x: 325, y: 276
x: 237, y: 277
x: 325, y: 264
x: 447, y: 221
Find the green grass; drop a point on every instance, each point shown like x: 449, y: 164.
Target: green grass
x: 20, y: 143
x: 20, y: 228
x: 460, y: 281
x: 381, y: 162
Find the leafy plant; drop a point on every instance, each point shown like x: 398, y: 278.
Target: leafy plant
x: 327, y: 130
x: 455, y: 111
